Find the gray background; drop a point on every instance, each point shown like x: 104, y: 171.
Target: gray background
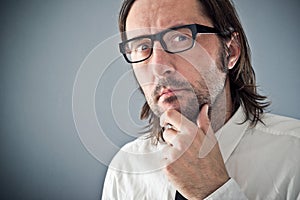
x: 42, y: 45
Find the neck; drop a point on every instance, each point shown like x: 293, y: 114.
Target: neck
x: 221, y: 111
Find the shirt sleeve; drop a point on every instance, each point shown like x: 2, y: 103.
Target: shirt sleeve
x: 230, y: 190
x: 110, y: 191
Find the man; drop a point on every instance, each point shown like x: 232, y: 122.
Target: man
x: 209, y: 136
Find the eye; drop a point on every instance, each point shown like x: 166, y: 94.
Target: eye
x: 142, y: 47
x: 180, y: 38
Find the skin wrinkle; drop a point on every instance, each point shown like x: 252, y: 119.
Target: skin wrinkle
x: 160, y: 8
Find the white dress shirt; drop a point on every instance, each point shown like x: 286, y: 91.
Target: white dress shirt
x: 262, y: 161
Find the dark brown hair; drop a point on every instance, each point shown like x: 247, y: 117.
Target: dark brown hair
x: 242, y: 77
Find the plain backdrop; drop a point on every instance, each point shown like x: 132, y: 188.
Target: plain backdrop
x: 42, y: 46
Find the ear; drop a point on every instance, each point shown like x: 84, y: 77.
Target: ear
x: 234, y: 50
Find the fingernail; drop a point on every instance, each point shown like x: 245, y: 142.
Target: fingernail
x: 207, y: 107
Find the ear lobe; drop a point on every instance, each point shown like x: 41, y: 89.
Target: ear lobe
x: 234, y: 50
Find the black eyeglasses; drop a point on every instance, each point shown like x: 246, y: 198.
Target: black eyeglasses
x: 173, y: 40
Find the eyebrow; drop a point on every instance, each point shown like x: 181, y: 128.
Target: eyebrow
x: 180, y: 23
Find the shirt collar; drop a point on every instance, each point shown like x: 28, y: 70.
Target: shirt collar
x: 231, y: 133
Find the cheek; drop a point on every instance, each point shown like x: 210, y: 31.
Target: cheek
x: 203, y: 62
x: 198, y: 63
x: 196, y: 69
x: 206, y: 51
x: 144, y: 82
x: 143, y: 76
x: 147, y: 89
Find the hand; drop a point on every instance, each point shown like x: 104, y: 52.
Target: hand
x: 195, y: 164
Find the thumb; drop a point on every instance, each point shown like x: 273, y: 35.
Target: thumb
x: 203, y: 121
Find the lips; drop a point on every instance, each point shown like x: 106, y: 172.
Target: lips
x: 165, y: 93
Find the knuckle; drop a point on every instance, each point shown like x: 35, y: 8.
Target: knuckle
x: 168, y: 170
x: 169, y: 113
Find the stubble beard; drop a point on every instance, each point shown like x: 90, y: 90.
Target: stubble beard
x: 205, y: 91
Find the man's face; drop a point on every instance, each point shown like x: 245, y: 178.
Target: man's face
x: 182, y: 81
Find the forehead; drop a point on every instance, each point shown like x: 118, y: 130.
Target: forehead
x: 150, y: 16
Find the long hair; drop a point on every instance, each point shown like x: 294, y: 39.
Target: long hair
x: 242, y: 76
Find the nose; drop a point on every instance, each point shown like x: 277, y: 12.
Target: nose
x: 161, y: 62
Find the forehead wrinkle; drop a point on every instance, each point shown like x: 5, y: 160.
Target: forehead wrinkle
x: 163, y: 14
x: 149, y: 17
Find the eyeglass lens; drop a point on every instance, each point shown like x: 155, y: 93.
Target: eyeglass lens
x: 172, y: 41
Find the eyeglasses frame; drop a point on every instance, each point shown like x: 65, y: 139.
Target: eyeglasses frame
x: 195, y: 28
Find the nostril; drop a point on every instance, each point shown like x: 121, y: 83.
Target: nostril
x: 168, y: 72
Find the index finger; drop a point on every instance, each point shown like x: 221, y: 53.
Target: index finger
x: 176, y: 119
